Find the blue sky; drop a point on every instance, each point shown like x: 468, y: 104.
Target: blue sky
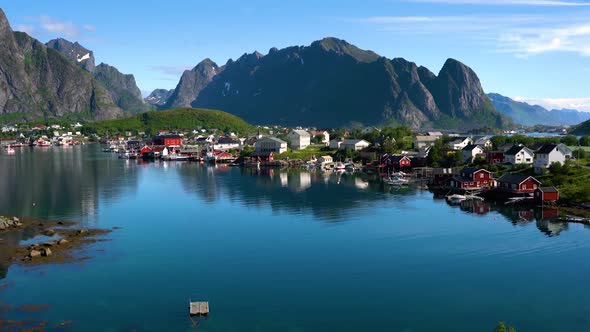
x: 536, y: 50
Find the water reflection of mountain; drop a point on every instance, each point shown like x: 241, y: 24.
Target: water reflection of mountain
x: 546, y: 218
x: 328, y: 196
x: 61, y: 181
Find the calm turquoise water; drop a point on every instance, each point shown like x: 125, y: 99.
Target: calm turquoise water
x: 273, y: 251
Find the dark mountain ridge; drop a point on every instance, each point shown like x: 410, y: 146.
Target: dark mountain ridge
x: 333, y: 83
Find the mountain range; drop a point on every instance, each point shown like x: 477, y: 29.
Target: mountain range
x: 529, y: 115
x: 332, y: 83
x: 60, y: 80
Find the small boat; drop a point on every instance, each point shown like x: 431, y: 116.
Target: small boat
x: 456, y: 198
x: 397, y: 181
x: 43, y: 144
x: 339, y: 167
x: 175, y: 157
x: 9, y: 150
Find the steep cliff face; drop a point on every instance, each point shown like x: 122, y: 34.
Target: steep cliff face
x: 122, y: 88
x: 36, y: 81
x: 74, y: 52
x: 192, y: 83
x: 333, y: 83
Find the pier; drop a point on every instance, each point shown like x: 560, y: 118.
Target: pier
x: 199, y: 308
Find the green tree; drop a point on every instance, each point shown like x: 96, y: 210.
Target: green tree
x: 569, y: 140
x: 501, y: 327
x: 498, y: 141
x: 318, y: 139
x: 585, y: 140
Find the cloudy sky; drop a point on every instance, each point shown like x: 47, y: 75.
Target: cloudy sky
x: 533, y: 50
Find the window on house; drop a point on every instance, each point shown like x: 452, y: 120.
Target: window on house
x: 481, y: 175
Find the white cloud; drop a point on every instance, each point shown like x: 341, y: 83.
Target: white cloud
x: 49, y: 26
x: 173, y: 70
x: 520, y: 35
x: 507, y: 2
x: 580, y: 104
x: 27, y: 28
x: 61, y: 28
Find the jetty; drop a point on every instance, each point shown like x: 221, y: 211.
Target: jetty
x: 199, y: 308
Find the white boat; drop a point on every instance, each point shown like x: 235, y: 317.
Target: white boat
x: 9, y: 150
x: 456, y: 198
x: 397, y: 181
x: 339, y: 167
x: 175, y: 157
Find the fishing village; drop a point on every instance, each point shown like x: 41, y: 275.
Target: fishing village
x: 512, y: 167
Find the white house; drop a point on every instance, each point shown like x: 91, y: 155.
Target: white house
x: 325, y: 134
x: 300, y: 139
x: 421, y: 141
x: 548, y: 154
x: 519, y: 154
x: 270, y: 144
x: 354, y: 144
x: 484, y: 142
x: 460, y: 142
x: 226, y: 143
x: 325, y: 159
x: 470, y: 152
x: 335, y: 143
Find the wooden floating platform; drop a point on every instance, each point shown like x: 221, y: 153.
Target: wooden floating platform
x: 199, y: 308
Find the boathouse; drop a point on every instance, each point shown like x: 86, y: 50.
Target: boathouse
x: 472, y: 178
x: 167, y: 140
x: 518, y: 183
x: 145, y: 150
x: 262, y: 156
x: 546, y: 194
x: 399, y: 161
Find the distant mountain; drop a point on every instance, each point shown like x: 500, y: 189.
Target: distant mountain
x: 530, y: 115
x: 121, y: 87
x: 581, y: 129
x: 37, y: 81
x: 158, y: 97
x: 333, y: 83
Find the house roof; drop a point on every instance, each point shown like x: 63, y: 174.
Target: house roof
x: 227, y: 140
x: 515, y: 178
x: 397, y: 158
x: 167, y: 136
x: 546, y: 148
x: 354, y: 141
x: 274, y: 139
x: 516, y: 149
x: 461, y: 179
x: 422, y: 138
x: 470, y: 147
x: 471, y: 170
x: 548, y: 189
x: 301, y: 132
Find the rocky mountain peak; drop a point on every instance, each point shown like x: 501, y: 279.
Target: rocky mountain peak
x: 4, y: 24
x: 342, y: 47
x: 75, y: 52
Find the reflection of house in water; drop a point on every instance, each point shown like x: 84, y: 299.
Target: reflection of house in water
x: 284, y: 176
x: 476, y: 206
x: 547, y: 221
x: 299, y: 181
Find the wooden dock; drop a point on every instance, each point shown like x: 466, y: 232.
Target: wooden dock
x: 199, y: 308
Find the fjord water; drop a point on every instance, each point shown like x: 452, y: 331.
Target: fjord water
x: 278, y: 251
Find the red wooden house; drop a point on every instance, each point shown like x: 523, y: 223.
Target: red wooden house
x: 472, y: 178
x: 546, y: 194
x: 518, y: 183
x: 145, y: 150
x: 399, y: 162
x: 494, y: 157
x: 262, y: 156
x: 167, y: 140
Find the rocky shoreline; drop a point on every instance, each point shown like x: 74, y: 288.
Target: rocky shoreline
x: 47, y: 242
x: 57, y: 241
